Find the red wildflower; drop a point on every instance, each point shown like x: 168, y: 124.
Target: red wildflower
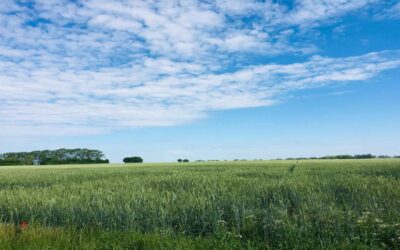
x: 23, y: 224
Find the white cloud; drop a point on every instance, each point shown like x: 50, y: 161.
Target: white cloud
x: 115, y: 22
x: 113, y: 98
x: 307, y: 11
x: 391, y: 12
x: 95, y: 66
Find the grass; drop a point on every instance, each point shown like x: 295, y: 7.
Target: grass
x: 221, y: 205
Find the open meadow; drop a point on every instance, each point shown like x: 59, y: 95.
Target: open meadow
x: 322, y: 204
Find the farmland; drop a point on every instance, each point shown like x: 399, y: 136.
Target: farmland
x: 219, y: 205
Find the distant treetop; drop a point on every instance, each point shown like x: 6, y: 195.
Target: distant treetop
x: 360, y: 156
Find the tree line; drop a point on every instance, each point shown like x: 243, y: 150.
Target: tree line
x: 359, y: 156
x: 54, y: 157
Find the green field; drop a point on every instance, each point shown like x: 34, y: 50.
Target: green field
x: 336, y: 204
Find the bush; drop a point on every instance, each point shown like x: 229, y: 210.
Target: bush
x: 185, y: 160
x: 134, y: 159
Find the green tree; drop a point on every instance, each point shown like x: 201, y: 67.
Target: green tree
x: 134, y: 159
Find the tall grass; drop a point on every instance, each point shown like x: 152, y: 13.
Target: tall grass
x: 317, y: 204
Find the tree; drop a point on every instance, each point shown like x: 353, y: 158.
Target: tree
x: 179, y: 160
x: 185, y: 160
x: 134, y: 159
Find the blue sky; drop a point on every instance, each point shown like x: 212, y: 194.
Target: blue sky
x: 201, y: 79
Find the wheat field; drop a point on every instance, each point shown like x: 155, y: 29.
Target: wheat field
x: 323, y: 204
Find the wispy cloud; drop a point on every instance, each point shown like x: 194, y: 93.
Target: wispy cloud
x: 87, y: 67
x: 390, y: 11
